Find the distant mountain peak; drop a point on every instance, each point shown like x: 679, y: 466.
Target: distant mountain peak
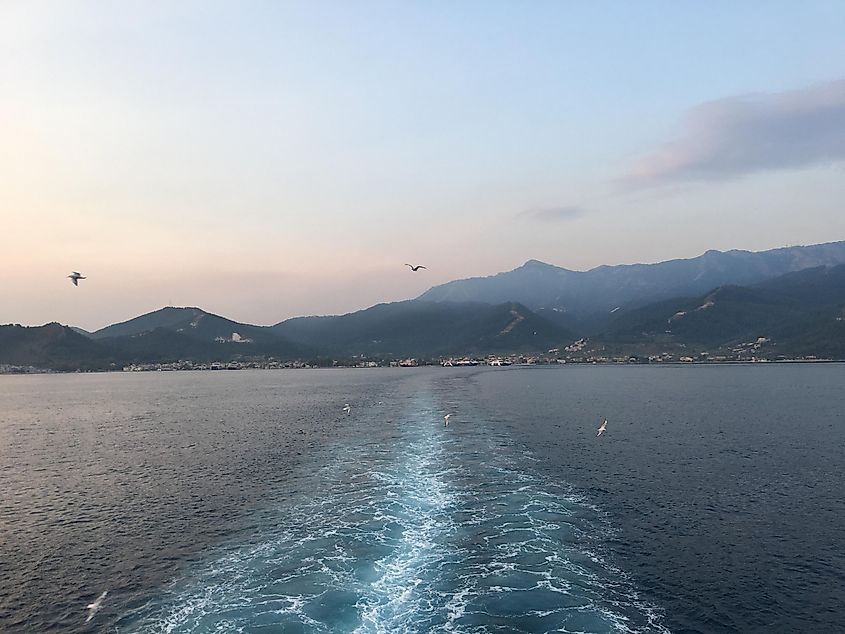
x: 588, y: 296
x: 539, y: 265
x: 182, y: 309
x: 175, y: 318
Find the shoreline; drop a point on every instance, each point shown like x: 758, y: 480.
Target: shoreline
x: 14, y: 370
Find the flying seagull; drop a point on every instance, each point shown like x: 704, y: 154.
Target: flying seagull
x: 93, y: 608
x: 602, y: 429
x: 75, y: 277
x: 446, y: 420
x: 347, y: 408
x: 415, y: 268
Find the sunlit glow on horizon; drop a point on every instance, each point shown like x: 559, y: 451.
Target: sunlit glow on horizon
x: 263, y: 161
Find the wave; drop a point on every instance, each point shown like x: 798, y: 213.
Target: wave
x: 423, y: 528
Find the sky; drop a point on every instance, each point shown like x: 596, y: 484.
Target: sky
x: 263, y: 160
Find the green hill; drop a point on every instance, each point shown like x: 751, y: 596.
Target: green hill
x: 52, y: 346
x: 799, y: 313
x: 194, y: 323
x: 191, y: 333
x: 416, y: 328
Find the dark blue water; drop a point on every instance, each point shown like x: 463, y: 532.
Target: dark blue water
x: 249, y: 502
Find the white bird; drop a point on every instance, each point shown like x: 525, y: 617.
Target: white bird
x: 446, y: 420
x: 75, y: 277
x: 93, y: 608
x: 602, y: 429
x: 415, y: 268
x: 347, y: 408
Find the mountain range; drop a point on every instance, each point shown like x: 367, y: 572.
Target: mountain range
x: 421, y: 328
x: 780, y: 303
x: 798, y: 314
x: 583, y: 300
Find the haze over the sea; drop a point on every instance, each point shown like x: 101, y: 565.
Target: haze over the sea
x: 266, y: 160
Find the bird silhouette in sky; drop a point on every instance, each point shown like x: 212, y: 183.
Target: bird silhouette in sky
x: 75, y: 277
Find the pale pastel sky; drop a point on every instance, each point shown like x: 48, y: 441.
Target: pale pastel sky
x: 269, y: 159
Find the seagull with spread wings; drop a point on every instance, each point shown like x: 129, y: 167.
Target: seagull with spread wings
x: 93, y: 608
x: 75, y: 277
x: 603, y: 428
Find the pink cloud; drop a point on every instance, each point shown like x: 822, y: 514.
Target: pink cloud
x: 731, y: 137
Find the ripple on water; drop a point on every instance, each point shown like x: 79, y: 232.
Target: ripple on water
x: 441, y: 531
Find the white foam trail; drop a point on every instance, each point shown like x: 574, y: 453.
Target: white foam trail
x: 429, y: 532
x: 391, y: 603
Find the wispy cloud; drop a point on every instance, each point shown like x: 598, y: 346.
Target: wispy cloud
x: 553, y: 214
x: 731, y: 137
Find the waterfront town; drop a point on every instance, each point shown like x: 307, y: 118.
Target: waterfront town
x: 758, y: 351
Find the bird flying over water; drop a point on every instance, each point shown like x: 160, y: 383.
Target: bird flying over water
x: 446, y: 420
x: 93, y: 608
x: 75, y: 277
x: 347, y: 408
x: 415, y: 268
x: 602, y: 429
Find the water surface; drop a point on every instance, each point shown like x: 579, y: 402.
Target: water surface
x: 248, y: 501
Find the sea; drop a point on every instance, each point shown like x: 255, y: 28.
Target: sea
x: 249, y: 501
